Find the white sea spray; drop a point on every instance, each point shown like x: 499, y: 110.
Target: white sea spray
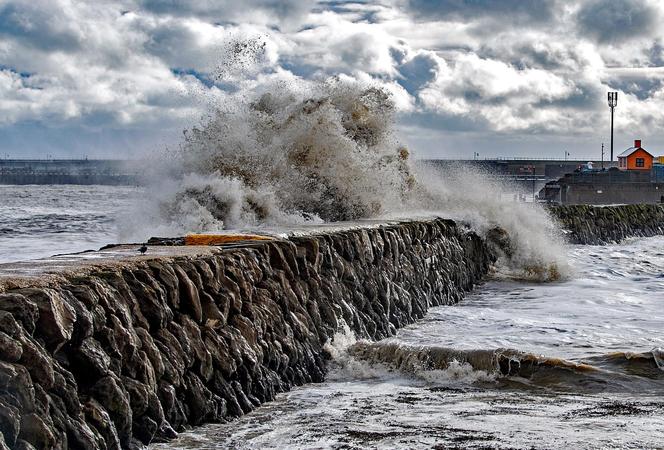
x: 291, y: 151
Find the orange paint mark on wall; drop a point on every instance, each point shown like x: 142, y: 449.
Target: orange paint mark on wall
x: 218, y: 239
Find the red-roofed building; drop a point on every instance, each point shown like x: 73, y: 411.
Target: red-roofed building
x: 635, y: 158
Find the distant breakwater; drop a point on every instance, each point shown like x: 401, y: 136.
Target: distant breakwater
x: 72, y: 171
x: 129, y: 353
x: 586, y: 224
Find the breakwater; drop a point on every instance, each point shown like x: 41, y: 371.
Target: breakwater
x: 72, y: 171
x: 112, y: 350
x: 586, y: 224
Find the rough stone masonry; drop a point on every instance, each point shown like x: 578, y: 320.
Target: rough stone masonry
x: 588, y: 224
x: 123, y: 353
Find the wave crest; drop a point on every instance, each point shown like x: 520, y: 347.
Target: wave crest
x: 624, y: 371
x: 294, y: 151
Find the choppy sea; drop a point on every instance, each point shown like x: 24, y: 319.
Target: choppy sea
x: 571, y: 364
x: 38, y: 221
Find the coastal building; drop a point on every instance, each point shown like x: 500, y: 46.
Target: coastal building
x: 639, y: 178
x: 635, y: 158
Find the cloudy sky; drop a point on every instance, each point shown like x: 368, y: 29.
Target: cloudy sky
x: 115, y: 78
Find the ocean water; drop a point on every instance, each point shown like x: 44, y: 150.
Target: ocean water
x: 40, y: 221
x: 572, y: 364
x: 576, y: 363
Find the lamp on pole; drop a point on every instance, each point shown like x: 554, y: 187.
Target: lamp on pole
x: 613, y: 101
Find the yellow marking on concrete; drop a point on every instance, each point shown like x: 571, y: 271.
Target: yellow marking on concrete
x: 217, y: 239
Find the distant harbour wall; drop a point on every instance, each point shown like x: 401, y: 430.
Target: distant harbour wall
x: 586, y: 224
x: 122, y: 353
x: 606, y: 188
x: 84, y: 172
x: 611, y: 194
x: 528, y: 174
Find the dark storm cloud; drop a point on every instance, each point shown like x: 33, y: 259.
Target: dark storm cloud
x: 362, y: 11
x: 656, y: 54
x: 585, y: 97
x: 541, y: 55
x: 503, y: 10
x: 615, y: 21
x: 641, y: 87
x: 37, y: 27
x: 227, y: 10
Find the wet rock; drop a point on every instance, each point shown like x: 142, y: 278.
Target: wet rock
x: 202, y: 355
x: 56, y: 318
x: 169, y: 280
x: 91, y: 360
x: 149, y: 347
x: 169, y: 403
x: 585, y: 224
x: 200, y: 400
x: 36, y: 432
x: 138, y: 395
x: 96, y: 415
x: 212, y: 315
x: 38, y: 362
x: 150, y: 298
x: 189, y: 295
x: 499, y: 241
x: 145, y: 429
x: 81, y: 436
x: 21, y: 309
x: 16, y: 386
x: 8, y: 324
x: 10, y: 349
x: 110, y: 394
x: 84, y: 324
x: 165, y: 433
x: 23, y: 445
x: 10, y: 422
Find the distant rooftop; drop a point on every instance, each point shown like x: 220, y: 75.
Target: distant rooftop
x: 637, y: 146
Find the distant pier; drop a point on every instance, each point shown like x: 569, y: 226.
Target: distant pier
x: 522, y: 172
x: 70, y: 171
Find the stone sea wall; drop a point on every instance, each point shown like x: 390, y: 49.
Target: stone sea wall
x: 129, y: 353
x: 587, y: 224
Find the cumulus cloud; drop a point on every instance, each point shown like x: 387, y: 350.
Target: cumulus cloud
x: 273, y: 12
x: 496, y: 69
x: 502, y: 94
x: 614, y: 21
x: 520, y: 11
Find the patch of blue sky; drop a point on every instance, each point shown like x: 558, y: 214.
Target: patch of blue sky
x: 203, y: 78
x: 20, y: 73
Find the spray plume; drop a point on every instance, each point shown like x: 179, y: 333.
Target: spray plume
x: 297, y: 151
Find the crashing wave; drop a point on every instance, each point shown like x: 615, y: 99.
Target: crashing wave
x: 302, y: 151
x: 622, y: 371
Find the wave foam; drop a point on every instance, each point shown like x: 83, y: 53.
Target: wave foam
x: 293, y: 151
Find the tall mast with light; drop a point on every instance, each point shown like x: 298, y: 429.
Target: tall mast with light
x: 613, y: 101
